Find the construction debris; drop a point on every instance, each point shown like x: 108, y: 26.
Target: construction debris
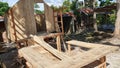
x: 33, y: 50
x: 42, y: 54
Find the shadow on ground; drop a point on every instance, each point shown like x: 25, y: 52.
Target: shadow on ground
x: 89, y: 36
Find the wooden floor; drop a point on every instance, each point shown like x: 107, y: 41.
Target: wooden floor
x: 42, y: 55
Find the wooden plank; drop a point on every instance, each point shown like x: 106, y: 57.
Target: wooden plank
x: 55, y: 52
x: 69, y: 48
x: 30, y: 25
x: 58, y: 41
x: 28, y: 58
x: 83, y: 44
x: 87, y: 57
x: 23, y: 17
x: 51, y: 35
x: 94, y: 54
x: 14, y: 33
x: 36, y: 59
x: 49, y: 18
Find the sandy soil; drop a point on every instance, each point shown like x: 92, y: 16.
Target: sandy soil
x: 113, y: 59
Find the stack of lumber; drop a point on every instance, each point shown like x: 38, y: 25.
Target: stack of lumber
x: 42, y: 55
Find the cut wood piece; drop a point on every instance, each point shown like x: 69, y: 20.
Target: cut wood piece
x: 103, y: 60
x: 69, y: 48
x: 55, y: 52
x: 58, y: 39
x: 36, y: 59
x: 49, y: 35
x: 84, y: 44
x: 87, y: 57
x: 29, y: 65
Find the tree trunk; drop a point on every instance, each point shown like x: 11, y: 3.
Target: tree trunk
x: 94, y: 21
x: 94, y: 17
x: 117, y: 23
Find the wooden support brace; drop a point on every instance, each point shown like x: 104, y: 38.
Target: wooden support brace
x: 69, y: 48
x: 58, y: 43
x: 103, y: 61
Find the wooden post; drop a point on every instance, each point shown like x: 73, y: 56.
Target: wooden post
x: 58, y: 43
x: 103, y: 60
x: 69, y: 48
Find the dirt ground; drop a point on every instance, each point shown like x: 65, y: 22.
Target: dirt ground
x: 113, y: 59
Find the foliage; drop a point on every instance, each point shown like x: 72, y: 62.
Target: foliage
x: 66, y: 5
x: 107, y: 18
x: 105, y: 2
x: 36, y: 6
x: 54, y: 7
x: 74, y: 7
x: 39, y: 12
x: 3, y: 8
x: 88, y: 3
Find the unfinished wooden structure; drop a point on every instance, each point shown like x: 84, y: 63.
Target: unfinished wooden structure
x: 21, y: 21
x: 42, y: 55
x: 39, y: 54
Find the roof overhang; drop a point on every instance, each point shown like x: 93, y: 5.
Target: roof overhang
x: 106, y: 8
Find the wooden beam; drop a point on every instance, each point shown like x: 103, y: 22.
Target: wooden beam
x: 87, y: 57
x: 38, y: 1
x: 13, y: 26
x: 58, y: 41
x: 34, y: 58
x: 69, y: 48
x: 55, y: 52
x: 82, y: 44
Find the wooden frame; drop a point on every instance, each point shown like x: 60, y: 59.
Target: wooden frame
x: 21, y: 22
x: 35, y: 57
x: 93, y: 47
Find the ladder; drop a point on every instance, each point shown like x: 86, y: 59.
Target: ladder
x: 58, y: 20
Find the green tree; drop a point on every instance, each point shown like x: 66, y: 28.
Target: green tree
x: 105, y: 2
x: 88, y: 3
x: 66, y: 5
x: 36, y: 7
x: 3, y: 8
x: 75, y: 6
x: 55, y: 7
x: 39, y: 12
x: 106, y: 18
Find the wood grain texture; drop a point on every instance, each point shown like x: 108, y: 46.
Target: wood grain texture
x: 49, y: 18
x: 34, y: 58
x: 55, y: 52
x: 38, y: 58
x: 23, y: 17
x: 87, y: 57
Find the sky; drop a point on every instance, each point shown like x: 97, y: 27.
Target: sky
x: 49, y: 2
